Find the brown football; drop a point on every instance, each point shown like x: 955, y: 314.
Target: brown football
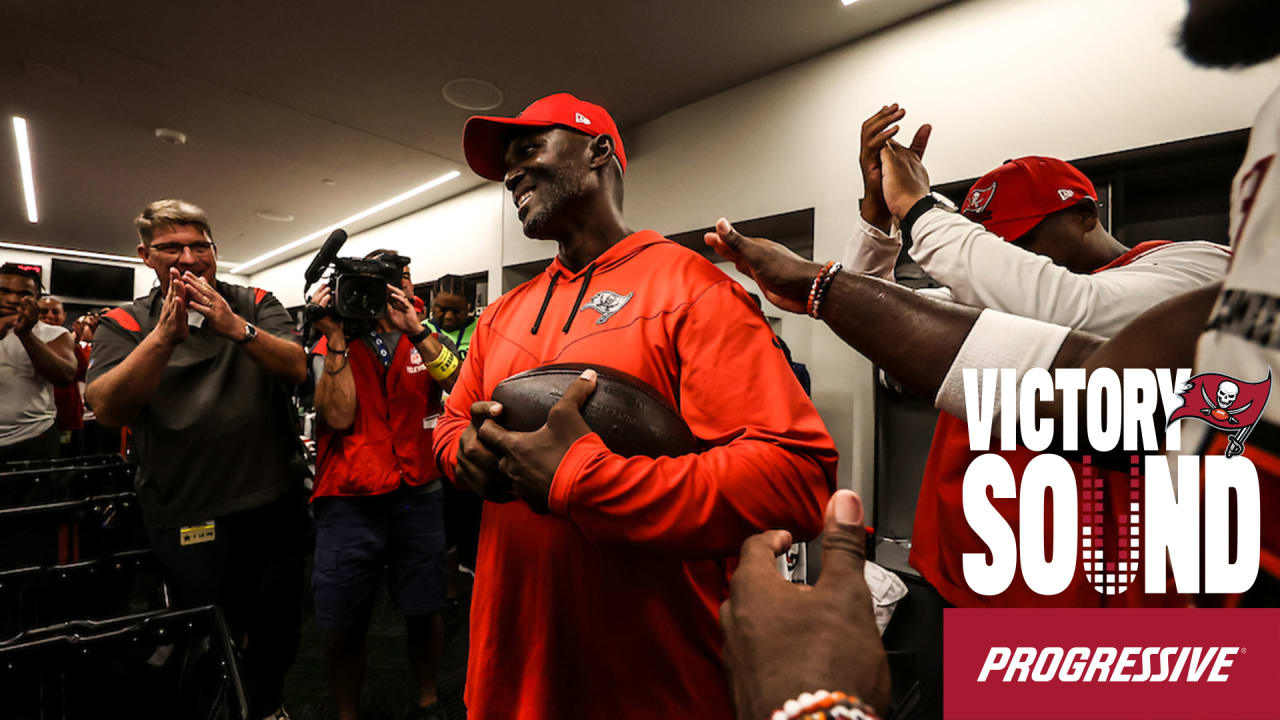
x: 630, y: 416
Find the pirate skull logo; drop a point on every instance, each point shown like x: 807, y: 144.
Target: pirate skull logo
x: 1226, y: 397
x: 1227, y: 392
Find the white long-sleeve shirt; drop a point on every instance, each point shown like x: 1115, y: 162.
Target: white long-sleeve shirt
x: 981, y: 269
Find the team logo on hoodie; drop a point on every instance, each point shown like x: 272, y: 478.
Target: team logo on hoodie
x: 607, y: 303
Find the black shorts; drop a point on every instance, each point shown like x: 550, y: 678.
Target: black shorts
x: 359, y: 540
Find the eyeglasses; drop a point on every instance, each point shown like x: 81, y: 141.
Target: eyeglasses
x: 200, y: 249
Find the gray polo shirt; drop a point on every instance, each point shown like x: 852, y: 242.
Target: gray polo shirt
x: 216, y: 438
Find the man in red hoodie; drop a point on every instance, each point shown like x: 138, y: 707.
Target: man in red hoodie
x: 597, y: 595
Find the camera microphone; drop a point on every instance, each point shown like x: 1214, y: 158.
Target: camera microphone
x: 323, y: 259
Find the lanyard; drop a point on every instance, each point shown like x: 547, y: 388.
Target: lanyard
x: 383, y: 353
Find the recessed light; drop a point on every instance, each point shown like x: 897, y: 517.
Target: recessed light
x: 472, y: 94
x: 24, y: 166
x: 273, y: 216
x: 847, y: 3
x: 348, y: 220
x: 169, y: 136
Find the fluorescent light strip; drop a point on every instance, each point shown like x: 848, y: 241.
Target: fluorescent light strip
x: 24, y: 162
x: 346, y: 221
x: 83, y: 253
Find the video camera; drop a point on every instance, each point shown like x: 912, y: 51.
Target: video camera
x: 359, y: 286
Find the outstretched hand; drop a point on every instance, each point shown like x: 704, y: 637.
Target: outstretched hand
x: 783, y: 639
x: 877, y: 130
x: 531, y: 459
x: 782, y: 275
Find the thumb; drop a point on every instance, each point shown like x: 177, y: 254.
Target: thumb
x: 575, y: 395
x: 728, y: 235
x: 921, y: 140
x: 844, y: 545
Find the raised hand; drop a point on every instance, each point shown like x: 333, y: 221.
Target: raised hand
x: 206, y: 300
x: 400, y: 311
x: 172, y: 324
x: 877, y: 130
x: 905, y: 178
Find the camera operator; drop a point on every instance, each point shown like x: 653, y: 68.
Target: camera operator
x: 377, y: 500
x: 202, y: 371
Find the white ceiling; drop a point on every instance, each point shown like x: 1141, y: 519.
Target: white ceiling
x: 277, y: 96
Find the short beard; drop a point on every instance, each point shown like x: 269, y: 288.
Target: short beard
x: 556, y: 191
x: 1230, y: 33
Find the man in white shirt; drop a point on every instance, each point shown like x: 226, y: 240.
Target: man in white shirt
x: 34, y: 357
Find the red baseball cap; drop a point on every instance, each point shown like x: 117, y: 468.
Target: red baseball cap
x: 484, y: 139
x: 1016, y: 196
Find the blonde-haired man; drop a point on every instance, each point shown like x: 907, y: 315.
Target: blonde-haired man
x: 202, y: 371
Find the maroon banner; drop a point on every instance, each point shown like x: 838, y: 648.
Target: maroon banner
x: 1028, y: 664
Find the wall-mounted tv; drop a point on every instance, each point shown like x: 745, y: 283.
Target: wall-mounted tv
x: 71, y: 278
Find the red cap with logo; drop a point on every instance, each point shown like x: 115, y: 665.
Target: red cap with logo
x: 1016, y: 196
x: 484, y: 139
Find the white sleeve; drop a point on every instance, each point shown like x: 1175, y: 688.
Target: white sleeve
x: 985, y: 271
x: 999, y: 340
x: 872, y: 252
x: 46, y: 333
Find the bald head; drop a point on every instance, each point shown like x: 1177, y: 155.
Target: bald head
x: 51, y: 311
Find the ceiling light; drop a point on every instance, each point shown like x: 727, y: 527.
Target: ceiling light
x: 346, y: 221
x: 68, y: 252
x: 472, y: 94
x: 24, y: 164
x: 847, y: 3
x: 169, y: 136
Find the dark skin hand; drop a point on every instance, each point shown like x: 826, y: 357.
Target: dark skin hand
x: 877, y: 130
x: 783, y: 639
x: 477, y: 465
x: 531, y: 459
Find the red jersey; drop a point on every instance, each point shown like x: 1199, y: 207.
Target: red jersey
x: 389, y: 442
x: 608, y: 606
x: 941, y: 535
x: 67, y: 399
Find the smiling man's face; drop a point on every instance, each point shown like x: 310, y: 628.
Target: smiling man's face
x: 546, y: 174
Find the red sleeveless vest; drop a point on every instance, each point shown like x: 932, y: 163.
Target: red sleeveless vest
x: 389, y: 443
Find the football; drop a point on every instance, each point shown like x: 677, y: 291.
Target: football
x: 629, y: 416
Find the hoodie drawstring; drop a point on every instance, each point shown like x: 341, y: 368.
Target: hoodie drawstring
x: 545, y: 301
x: 577, y: 304
x: 573, y: 310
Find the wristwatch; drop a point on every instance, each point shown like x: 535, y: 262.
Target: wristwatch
x: 923, y: 205
x: 250, y: 332
x: 418, y: 337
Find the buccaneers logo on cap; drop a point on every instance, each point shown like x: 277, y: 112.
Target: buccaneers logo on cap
x: 1228, y: 404
x: 976, y: 202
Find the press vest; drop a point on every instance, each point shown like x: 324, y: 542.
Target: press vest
x: 389, y: 442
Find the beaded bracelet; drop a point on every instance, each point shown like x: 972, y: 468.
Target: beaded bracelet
x: 821, y: 283
x: 822, y: 705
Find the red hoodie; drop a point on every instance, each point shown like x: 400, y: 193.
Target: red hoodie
x: 608, y: 606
